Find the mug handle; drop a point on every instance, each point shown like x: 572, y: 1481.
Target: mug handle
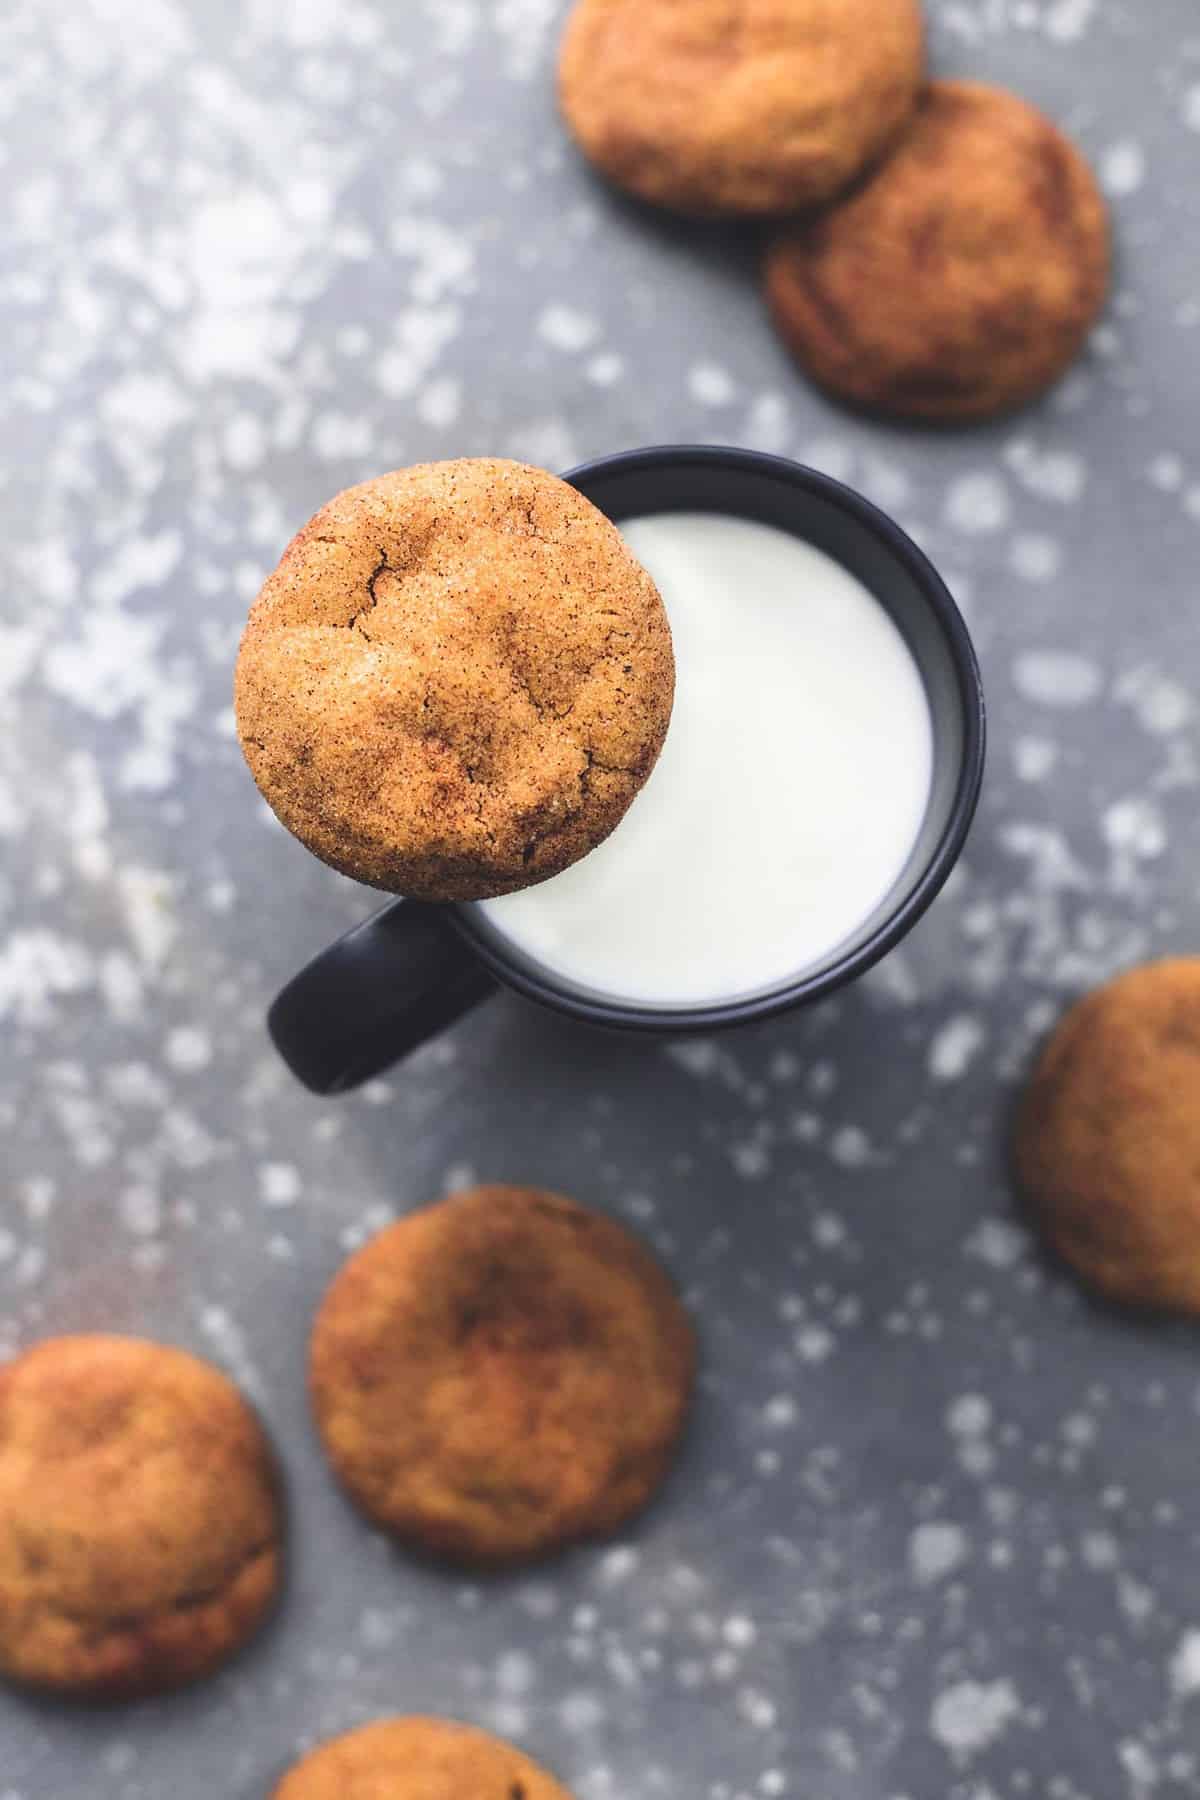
x: 375, y: 995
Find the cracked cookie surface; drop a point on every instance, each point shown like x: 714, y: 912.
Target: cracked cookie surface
x: 739, y: 106
x: 500, y: 1375
x: 140, y: 1526
x: 417, y: 1759
x: 456, y: 681
x: 1107, y: 1138
x: 963, y: 278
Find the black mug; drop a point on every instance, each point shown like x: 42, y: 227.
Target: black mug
x: 413, y: 969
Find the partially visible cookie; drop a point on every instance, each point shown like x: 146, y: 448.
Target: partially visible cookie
x: 500, y: 1375
x: 456, y: 681
x: 1107, y: 1142
x: 140, y: 1526
x: 963, y: 278
x: 417, y: 1759
x: 739, y: 106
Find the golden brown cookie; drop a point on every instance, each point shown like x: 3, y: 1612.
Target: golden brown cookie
x: 140, y: 1525
x: 1107, y: 1142
x: 456, y: 680
x: 739, y: 106
x: 500, y: 1375
x: 417, y: 1759
x: 962, y: 278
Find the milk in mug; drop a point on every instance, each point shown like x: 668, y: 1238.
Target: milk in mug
x: 788, y: 797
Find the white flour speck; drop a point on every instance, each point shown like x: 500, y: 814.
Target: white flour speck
x: 955, y: 1047
x: 1122, y: 168
x: 997, y: 1242
x: 279, y: 1184
x: 141, y: 1211
x: 516, y: 1674
x: 978, y: 503
x: 581, y: 1712
x: 227, y: 1338
x: 1185, y: 1666
x: 565, y: 328
x: 147, y: 904
x: 1066, y: 20
x: 935, y: 1550
x: 711, y: 385
x: 1160, y: 704
x: 1057, y: 678
x: 188, y: 1048
x: 851, y: 1147
x: 1033, y: 758
x: 618, y: 1565
x: 606, y: 369
x: 1035, y: 557
x: 969, y: 1716
x: 440, y: 404
x: 1052, y: 475
x: 969, y: 1416
x: 757, y: 1708
x: 814, y: 1343
x: 1135, y: 827
x: 38, y: 967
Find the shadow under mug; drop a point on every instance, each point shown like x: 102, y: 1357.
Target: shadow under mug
x: 413, y: 969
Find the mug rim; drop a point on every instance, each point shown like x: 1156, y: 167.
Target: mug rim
x: 625, y: 1015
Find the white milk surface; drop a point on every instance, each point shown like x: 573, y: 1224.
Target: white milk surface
x: 788, y: 796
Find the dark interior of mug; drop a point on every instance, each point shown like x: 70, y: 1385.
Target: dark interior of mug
x: 872, y: 548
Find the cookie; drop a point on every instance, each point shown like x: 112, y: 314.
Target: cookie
x: 140, y: 1525
x: 501, y: 1375
x: 1107, y: 1141
x: 417, y: 1759
x: 963, y: 278
x: 738, y: 106
x: 456, y: 681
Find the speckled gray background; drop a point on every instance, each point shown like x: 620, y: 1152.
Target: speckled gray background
x: 937, y: 1531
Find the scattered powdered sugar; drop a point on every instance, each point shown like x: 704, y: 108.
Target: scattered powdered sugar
x: 1185, y: 1666
x: 188, y: 1048
x: 1058, y: 476
x: 279, y: 1184
x: 1161, y: 704
x: 1035, y: 557
x: 38, y: 968
x: 1061, y: 678
x: 711, y: 385
x: 1122, y: 168
x: 997, y: 1242
x: 1034, y: 758
x: 969, y: 1716
x: 1067, y: 20
x: 935, y: 1550
x: 978, y: 503
x: 955, y: 1046
x: 566, y: 328
x: 229, y: 1341
x: 1136, y: 828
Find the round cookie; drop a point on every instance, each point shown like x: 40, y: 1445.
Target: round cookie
x: 963, y: 278
x: 417, y: 1759
x: 456, y: 681
x: 739, y: 106
x: 140, y: 1522
x: 1107, y: 1139
x: 500, y: 1375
